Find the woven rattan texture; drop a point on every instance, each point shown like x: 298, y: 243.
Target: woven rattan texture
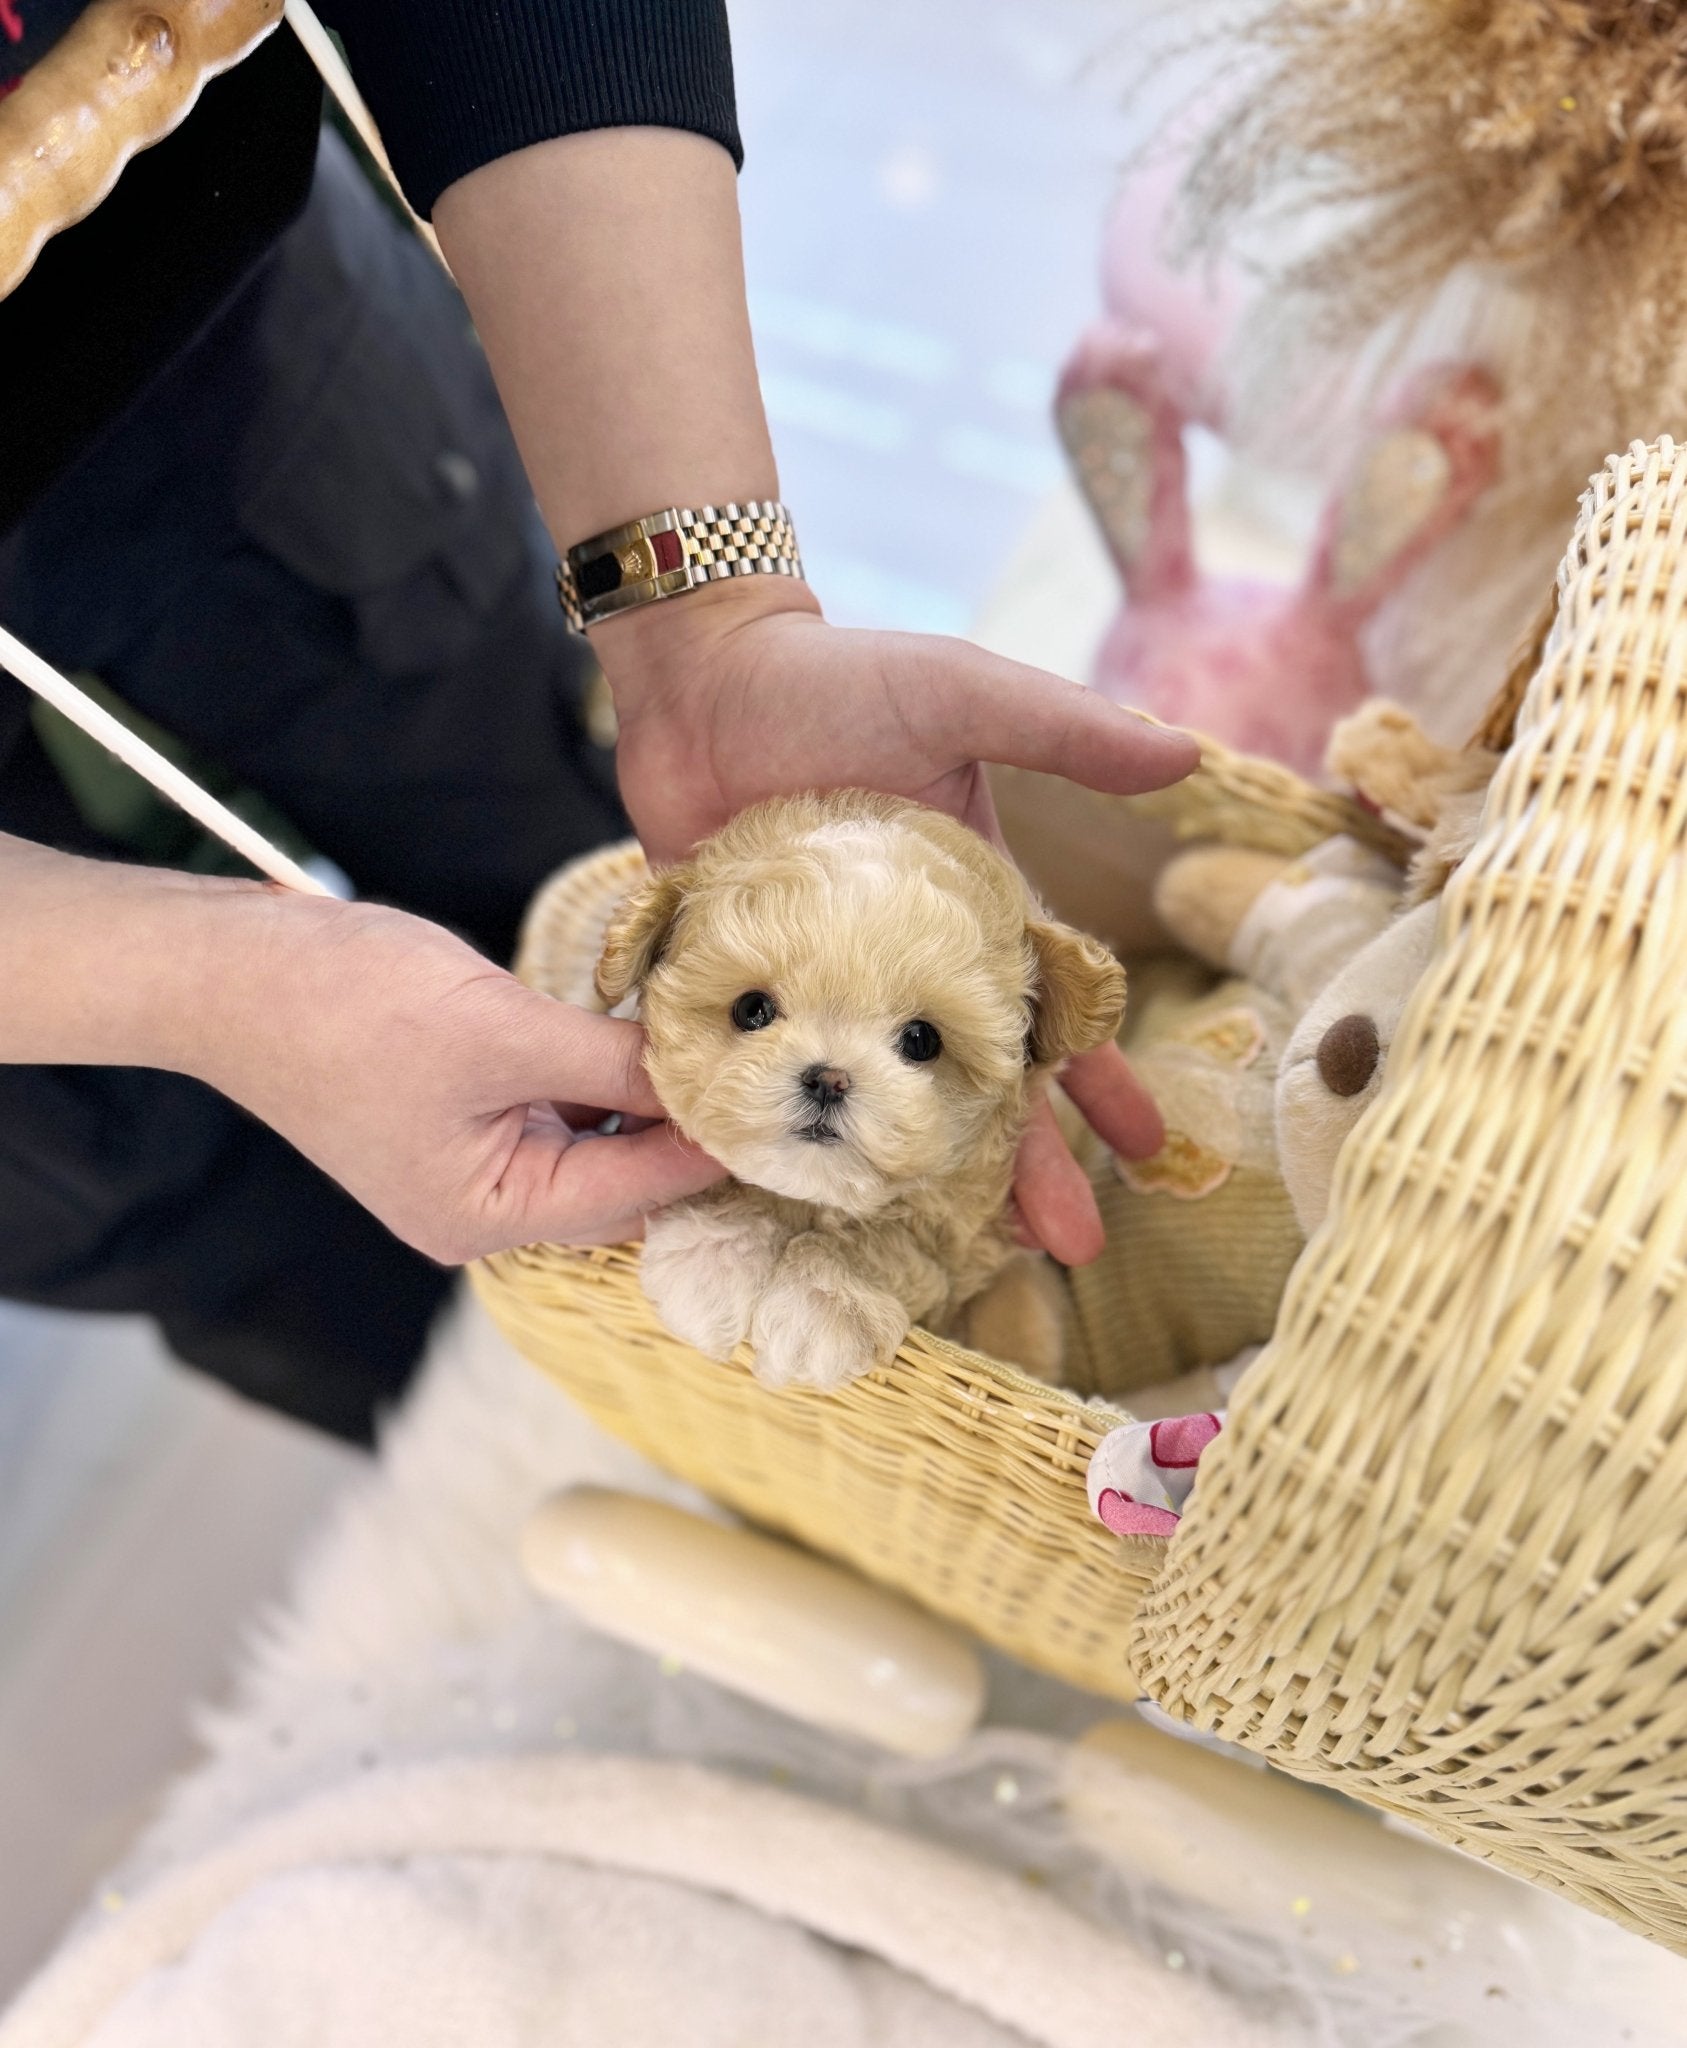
x: 1499, y: 722
x: 947, y: 1476
x: 562, y: 934
x: 1439, y: 1556
x: 950, y: 1476
x: 1241, y: 800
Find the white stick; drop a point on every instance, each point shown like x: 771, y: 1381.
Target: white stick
x: 59, y: 691
x: 319, y: 46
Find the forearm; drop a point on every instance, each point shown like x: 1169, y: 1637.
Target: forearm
x: 111, y: 965
x: 408, y: 1068
x: 605, y: 275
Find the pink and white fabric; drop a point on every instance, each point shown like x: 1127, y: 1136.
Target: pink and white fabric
x: 1142, y: 1473
x: 1266, y: 668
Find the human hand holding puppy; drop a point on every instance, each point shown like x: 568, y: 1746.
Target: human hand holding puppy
x: 419, y: 1075
x: 745, y: 692
x: 447, y: 1098
x: 620, y: 338
x: 852, y: 1001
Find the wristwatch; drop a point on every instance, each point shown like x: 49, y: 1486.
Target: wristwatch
x: 671, y: 551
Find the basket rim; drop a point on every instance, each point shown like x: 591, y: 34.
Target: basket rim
x: 1011, y: 1380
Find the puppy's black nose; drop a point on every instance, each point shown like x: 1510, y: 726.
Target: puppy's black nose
x: 826, y: 1086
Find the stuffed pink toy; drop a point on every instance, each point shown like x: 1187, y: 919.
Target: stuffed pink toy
x: 1264, y: 668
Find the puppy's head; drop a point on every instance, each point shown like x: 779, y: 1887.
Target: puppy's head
x: 846, y: 995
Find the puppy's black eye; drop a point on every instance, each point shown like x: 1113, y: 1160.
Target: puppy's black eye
x: 920, y: 1042
x: 755, y: 1010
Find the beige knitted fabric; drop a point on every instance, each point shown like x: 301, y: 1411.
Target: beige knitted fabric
x: 1198, y: 1246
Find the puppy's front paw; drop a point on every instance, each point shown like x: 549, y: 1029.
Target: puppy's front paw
x: 818, y: 1326
x: 702, y: 1270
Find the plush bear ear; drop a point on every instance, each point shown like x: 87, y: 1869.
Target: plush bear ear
x: 638, y: 932
x: 1079, y: 997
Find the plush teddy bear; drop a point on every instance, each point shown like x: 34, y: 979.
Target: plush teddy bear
x: 1201, y: 1238
x: 1327, y: 951
x: 1291, y: 923
x: 1237, y: 1246
x: 1333, y: 1065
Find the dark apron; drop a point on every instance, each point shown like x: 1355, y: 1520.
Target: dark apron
x: 308, y: 551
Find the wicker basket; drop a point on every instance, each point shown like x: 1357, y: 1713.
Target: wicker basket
x: 1439, y: 1557
x: 949, y: 1476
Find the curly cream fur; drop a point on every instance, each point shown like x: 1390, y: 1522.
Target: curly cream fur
x: 857, y: 914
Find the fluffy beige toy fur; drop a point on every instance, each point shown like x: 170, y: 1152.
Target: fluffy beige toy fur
x: 851, y: 1001
x: 1323, y: 933
x: 1432, y: 791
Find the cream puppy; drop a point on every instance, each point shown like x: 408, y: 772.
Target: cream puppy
x: 851, y: 1001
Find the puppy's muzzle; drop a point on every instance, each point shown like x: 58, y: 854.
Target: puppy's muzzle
x: 825, y: 1090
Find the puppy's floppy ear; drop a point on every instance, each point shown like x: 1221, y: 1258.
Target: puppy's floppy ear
x: 637, y: 933
x: 1079, y: 997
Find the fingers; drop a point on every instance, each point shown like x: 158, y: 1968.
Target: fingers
x: 1056, y: 1201
x: 562, y: 1190
x: 991, y: 709
x: 979, y: 811
x: 1022, y: 1233
x: 610, y: 1185
x: 566, y: 1054
x: 1115, y: 1104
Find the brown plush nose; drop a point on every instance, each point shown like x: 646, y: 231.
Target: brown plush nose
x: 826, y: 1086
x: 1347, y: 1055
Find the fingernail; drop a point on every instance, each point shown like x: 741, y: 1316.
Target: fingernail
x: 1171, y: 735
x: 1144, y: 1145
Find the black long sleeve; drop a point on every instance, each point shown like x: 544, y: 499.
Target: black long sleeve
x: 453, y: 86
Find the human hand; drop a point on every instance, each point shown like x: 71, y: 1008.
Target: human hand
x: 741, y: 691
x: 442, y: 1094
x: 744, y: 692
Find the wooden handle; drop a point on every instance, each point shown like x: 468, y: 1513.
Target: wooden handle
x: 121, y: 79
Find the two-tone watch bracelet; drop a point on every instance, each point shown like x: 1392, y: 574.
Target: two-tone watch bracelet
x: 667, y: 552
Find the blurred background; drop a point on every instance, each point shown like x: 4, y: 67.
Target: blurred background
x: 923, y: 198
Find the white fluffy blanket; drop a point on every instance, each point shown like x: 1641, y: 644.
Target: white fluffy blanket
x: 592, y: 1900
x: 440, y: 1813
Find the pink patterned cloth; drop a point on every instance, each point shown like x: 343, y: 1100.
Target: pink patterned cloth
x: 1143, y: 1472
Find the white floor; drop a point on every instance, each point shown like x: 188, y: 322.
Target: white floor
x: 145, y: 1517
x: 922, y: 199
